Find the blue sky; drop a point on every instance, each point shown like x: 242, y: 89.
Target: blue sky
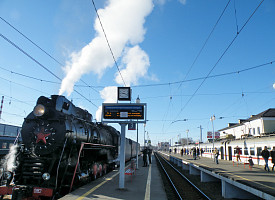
x: 155, y: 44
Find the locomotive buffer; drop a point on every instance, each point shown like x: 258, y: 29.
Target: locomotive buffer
x: 122, y: 113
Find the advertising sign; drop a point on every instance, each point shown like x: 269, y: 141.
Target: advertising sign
x: 209, y: 134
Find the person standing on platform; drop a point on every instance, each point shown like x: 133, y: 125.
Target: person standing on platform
x: 272, y: 153
x: 201, y: 152
x: 181, y: 152
x: 194, y: 153
x: 150, y: 155
x: 145, y: 153
x: 265, y: 155
x: 238, y: 151
x: 198, y: 152
x: 217, y: 153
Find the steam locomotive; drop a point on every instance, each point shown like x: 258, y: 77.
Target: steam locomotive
x: 61, y: 148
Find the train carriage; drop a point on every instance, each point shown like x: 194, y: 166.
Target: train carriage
x: 249, y: 148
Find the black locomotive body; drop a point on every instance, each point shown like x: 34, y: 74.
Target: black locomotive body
x: 61, y: 147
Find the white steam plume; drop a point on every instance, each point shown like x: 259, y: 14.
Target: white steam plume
x: 123, y: 23
x: 109, y: 94
x: 9, y: 163
x: 137, y: 64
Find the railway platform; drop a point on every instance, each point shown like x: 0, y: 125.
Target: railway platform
x: 145, y: 184
x: 239, y: 176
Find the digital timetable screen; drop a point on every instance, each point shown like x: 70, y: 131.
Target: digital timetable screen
x: 123, y: 111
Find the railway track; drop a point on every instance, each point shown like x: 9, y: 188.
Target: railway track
x: 181, y: 186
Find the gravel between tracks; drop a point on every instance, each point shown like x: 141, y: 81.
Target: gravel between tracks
x: 211, y: 189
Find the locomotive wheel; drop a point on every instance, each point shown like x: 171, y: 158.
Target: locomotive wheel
x: 104, y: 169
x: 100, y: 170
x: 17, y: 195
x: 94, y: 176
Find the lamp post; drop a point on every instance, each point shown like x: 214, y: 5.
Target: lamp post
x: 187, y: 141
x: 200, y: 136
x: 137, y: 101
x: 212, y: 118
x: 144, y: 135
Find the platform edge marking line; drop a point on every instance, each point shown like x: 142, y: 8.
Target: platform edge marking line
x: 240, y: 177
x: 148, y: 185
x: 96, y: 187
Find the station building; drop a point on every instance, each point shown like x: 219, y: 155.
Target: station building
x: 163, y: 146
x: 255, y: 126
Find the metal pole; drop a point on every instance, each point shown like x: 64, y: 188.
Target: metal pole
x: 187, y: 142
x: 122, y: 156
x: 213, y: 134
x: 200, y: 137
x: 137, y: 101
x: 144, y: 136
x: 1, y: 106
x: 137, y: 146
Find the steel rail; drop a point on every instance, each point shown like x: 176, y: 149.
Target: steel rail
x: 171, y: 182
x: 182, y: 177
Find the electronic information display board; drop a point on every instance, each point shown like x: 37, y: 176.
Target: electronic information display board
x: 123, y: 111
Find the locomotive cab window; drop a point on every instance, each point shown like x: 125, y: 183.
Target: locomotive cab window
x: 4, y: 145
x: 65, y: 106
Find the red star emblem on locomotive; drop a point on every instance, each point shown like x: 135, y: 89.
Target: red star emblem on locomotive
x: 42, y: 136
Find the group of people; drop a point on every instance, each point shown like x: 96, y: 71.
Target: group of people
x: 266, y: 154
x: 196, y: 152
x: 147, y: 156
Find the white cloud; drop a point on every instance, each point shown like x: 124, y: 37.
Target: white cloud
x: 123, y: 23
x: 182, y: 1
x: 160, y: 2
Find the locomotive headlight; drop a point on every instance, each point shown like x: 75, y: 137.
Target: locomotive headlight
x: 39, y: 110
x: 46, y: 176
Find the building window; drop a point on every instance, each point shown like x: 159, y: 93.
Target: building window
x: 252, y: 151
x: 245, y: 151
x: 259, y: 130
x: 254, y: 131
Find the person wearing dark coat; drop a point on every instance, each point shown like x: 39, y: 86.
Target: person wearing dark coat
x: 272, y: 154
x: 265, y: 155
x: 198, y: 152
x: 194, y: 153
x: 145, y: 155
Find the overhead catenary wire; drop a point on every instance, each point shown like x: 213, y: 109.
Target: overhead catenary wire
x: 204, y: 44
x: 157, y: 84
x: 236, y: 20
x: 42, y: 49
x: 224, y: 52
x: 108, y: 43
x: 15, y: 99
x: 37, y: 62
